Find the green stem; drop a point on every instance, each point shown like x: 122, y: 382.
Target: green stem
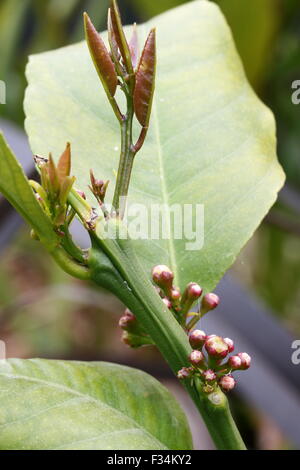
x: 128, y: 281
x: 126, y: 160
x: 69, y: 265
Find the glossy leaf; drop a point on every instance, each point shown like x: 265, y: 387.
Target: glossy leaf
x: 15, y: 187
x: 76, y: 405
x: 101, y: 58
x: 211, y: 141
x: 145, y: 81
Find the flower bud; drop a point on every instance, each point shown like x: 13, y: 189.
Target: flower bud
x: 209, y: 375
x: 235, y: 362
x: 184, y: 373
x: 216, y: 347
x: 196, y: 357
x: 192, y: 292
x: 227, y: 383
x: 246, y: 360
x: 98, y: 187
x: 163, y: 277
x: 127, y: 321
x: 229, y: 343
x: 197, y: 339
x: 167, y: 302
x: 209, y: 302
x: 175, y: 294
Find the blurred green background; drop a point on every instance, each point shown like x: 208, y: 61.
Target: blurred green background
x: 45, y: 313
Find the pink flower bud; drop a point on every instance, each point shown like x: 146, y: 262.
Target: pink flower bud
x: 175, y: 294
x: 184, y: 373
x: 167, y: 302
x: 196, y: 357
x: 229, y: 343
x: 193, y: 291
x: 235, y: 362
x: 216, y: 347
x: 246, y: 360
x: 127, y: 320
x: 163, y: 277
x: 209, y: 375
x: 197, y: 338
x: 227, y: 383
x: 209, y: 302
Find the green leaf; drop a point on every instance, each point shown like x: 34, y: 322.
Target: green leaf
x: 15, y: 187
x: 211, y: 140
x: 75, y: 405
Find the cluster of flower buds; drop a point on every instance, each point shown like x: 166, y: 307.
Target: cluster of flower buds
x: 133, y: 334
x: 179, y: 303
x: 56, y: 184
x: 210, y: 362
x: 121, y: 66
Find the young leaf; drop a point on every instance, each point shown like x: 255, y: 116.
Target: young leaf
x: 101, y: 58
x: 15, y: 187
x: 134, y: 47
x: 211, y: 142
x: 51, y: 405
x: 145, y: 81
x: 64, y: 163
x: 118, y: 33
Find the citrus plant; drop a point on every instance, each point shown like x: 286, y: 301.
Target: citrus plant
x: 191, y: 131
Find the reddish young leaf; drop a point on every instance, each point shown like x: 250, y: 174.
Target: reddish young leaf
x: 145, y: 81
x: 118, y: 33
x: 64, y: 163
x: 101, y: 58
x: 112, y: 39
x: 134, y: 47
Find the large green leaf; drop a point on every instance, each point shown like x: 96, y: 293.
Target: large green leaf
x: 15, y: 187
x: 211, y: 140
x: 76, y: 405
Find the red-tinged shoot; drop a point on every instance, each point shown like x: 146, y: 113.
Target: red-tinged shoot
x: 101, y: 57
